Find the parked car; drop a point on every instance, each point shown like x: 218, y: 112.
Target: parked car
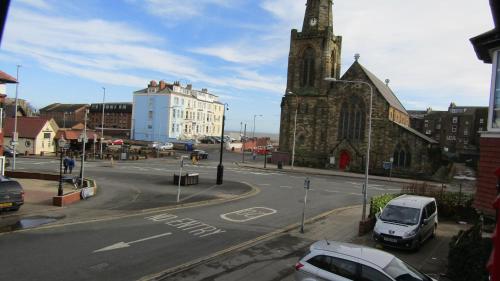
x: 336, y: 261
x: 117, y: 142
x: 11, y: 194
x: 9, y: 151
x: 166, y: 146
x: 200, y: 154
x: 407, y: 221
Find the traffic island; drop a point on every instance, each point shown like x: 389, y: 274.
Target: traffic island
x: 89, y: 190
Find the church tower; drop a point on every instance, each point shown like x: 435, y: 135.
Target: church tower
x: 315, y: 51
x: 314, y: 55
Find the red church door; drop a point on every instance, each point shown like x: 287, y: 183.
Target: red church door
x: 345, y: 159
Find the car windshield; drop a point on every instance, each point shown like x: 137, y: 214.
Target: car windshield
x: 400, y: 214
x: 401, y: 271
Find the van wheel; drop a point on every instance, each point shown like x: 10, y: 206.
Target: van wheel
x: 433, y: 235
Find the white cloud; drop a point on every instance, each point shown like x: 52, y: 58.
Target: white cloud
x: 39, y: 4
x: 172, y: 10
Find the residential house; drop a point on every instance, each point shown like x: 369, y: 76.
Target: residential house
x: 36, y: 135
x: 4, y: 79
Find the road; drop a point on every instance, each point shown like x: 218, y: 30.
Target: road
x: 138, y: 244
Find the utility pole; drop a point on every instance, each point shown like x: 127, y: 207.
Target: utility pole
x: 84, y: 140
x: 243, y: 144
x: 14, y: 134
x: 102, y: 120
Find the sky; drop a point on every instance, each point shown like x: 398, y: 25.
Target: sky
x: 238, y: 49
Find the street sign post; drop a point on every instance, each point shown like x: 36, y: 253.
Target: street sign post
x: 307, y: 184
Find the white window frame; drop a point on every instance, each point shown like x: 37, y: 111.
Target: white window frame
x: 494, y: 72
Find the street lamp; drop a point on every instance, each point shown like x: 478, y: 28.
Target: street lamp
x: 102, y: 119
x: 253, y: 134
x: 14, y: 134
x: 365, y: 186
x: 294, y: 125
x: 61, y: 143
x: 220, y: 168
x: 84, y: 140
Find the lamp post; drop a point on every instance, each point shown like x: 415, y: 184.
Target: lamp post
x: 84, y: 140
x: 61, y: 143
x: 253, y: 133
x: 243, y: 144
x: 294, y: 125
x: 220, y: 167
x: 102, y: 120
x: 365, y: 186
x: 14, y: 134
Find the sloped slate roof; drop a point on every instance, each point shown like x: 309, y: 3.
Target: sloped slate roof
x: 384, y: 90
x: 59, y: 107
x: 27, y: 127
x: 417, y: 133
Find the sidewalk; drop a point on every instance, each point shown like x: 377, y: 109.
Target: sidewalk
x: 274, y: 259
x: 325, y: 172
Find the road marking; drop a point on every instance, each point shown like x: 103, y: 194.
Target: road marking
x: 192, y: 226
x: 286, y: 186
x: 264, y: 184
x: 121, y: 245
x: 248, y: 214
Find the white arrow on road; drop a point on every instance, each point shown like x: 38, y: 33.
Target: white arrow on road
x: 121, y: 245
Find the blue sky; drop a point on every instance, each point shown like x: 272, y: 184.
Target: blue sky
x: 238, y: 49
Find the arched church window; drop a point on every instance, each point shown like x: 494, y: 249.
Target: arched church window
x: 402, y: 157
x: 308, y: 68
x: 352, y: 120
x: 334, y: 64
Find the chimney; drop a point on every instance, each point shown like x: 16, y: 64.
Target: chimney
x: 163, y: 85
x: 387, y: 81
x: 189, y: 86
x: 177, y: 83
x: 204, y: 90
x: 152, y: 83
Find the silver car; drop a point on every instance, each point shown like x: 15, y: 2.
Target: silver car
x: 336, y: 261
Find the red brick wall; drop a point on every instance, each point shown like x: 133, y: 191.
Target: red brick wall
x: 486, y: 185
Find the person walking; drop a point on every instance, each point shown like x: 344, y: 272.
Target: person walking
x: 254, y: 155
x: 65, y: 164
x: 71, y: 164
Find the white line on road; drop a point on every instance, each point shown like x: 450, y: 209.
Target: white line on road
x: 264, y: 184
x: 121, y: 245
x: 248, y: 214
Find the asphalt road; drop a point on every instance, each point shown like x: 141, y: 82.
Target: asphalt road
x: 142, y: 244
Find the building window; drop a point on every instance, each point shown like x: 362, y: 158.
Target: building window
x: 438, y: 127
x: 495, y: 95
x: 481, y: 121
x: 466, y: 132
x: 428, y: 132
x: 402, y: 157
x: 46, y: 135
x: 453, y: 129
x: 308, y: 65
x: 150, y: 115
x: 352, y: 120
x: 455, y: 120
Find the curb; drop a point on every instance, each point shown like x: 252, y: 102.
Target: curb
x: 242, y: 246
x: 254, y: 191
x: 395, y: 180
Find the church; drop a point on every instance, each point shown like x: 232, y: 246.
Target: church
x: 326, y: 122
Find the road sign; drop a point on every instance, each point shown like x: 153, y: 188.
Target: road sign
x: 307, y: 183
x: 387, y: 165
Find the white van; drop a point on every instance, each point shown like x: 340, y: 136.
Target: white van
x: 406, y: 222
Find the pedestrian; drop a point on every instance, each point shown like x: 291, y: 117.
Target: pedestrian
x: 254, y: 155
x: 65, y: 164
x: 71, y: 164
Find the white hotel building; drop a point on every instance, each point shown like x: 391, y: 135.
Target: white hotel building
x: 163, y: 112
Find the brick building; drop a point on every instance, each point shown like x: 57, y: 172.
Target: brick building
x: 457, y: 130
x: 117, y: 118
x: 487, y: 47
x: 332, y: 117
x: 65, y: 115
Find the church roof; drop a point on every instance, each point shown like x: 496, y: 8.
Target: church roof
x: 417, y: 133
x: 384, y: 90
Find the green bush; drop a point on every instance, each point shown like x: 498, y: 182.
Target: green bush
x: 468, y: 255
x: 379, y: 202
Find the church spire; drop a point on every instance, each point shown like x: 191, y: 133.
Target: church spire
x: 318, y: 16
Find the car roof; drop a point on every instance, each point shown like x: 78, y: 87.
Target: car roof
x: 373, y: 256
x: 411, y: 201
